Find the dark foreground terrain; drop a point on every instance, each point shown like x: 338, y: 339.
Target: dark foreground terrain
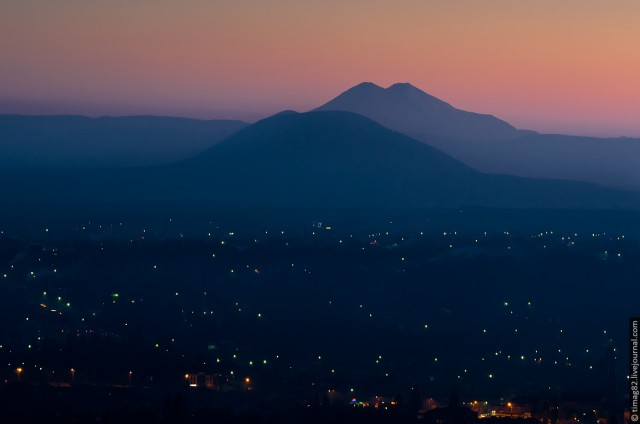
x: 289, y: 319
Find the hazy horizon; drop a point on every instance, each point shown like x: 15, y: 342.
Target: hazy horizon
x: 551, y: 67
x: 252, y: 115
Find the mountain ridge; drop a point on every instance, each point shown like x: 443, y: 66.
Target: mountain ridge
x: 494, y: 146
x: 406, y: 107
x: 35, y: 141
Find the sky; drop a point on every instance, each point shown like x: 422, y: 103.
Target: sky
x: 567, y: 66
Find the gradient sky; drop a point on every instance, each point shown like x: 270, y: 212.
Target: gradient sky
x: 569, y: 66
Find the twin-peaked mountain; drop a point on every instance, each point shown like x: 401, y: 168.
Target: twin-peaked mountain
x: 491, y: 145
x: 405, y: 108
x: 315, y: 159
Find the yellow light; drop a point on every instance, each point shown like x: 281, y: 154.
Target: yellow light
x: 247, y: 380
x: 186, y: 376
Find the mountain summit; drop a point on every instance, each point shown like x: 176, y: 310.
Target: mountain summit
x: 407, y: 109
x: 323, y: 158
x: 491, y: 145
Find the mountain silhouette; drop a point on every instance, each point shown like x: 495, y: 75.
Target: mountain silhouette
x: 309, y: 160
x: 322, y: 158
x: 611, y: 162
x: 405, y: 108
x: 482, y: 142
x: 78, y: 141
x: 491, y: 145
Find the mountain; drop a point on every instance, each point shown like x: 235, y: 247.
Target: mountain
x: 309, y: 160
x: 611, y: 162
x: 322, y: 158
x: 78, y: 141
x: 407, y: 109
x: 490, y: 145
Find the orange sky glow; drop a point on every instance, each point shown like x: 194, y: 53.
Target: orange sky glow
x: 566, y: 66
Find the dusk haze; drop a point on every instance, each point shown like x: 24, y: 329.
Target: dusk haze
x: 319, y: 212
x: 551, y: 66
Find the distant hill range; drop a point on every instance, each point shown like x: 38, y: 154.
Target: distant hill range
x: 78, y: 141
x: 311, y: 160
x: 489, y: 144
x: 481, y: 141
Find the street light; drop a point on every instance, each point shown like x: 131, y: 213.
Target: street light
x: 73, y: 375
x: 19, y: 371
x: 130, y: 375
x: 510, y: 405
